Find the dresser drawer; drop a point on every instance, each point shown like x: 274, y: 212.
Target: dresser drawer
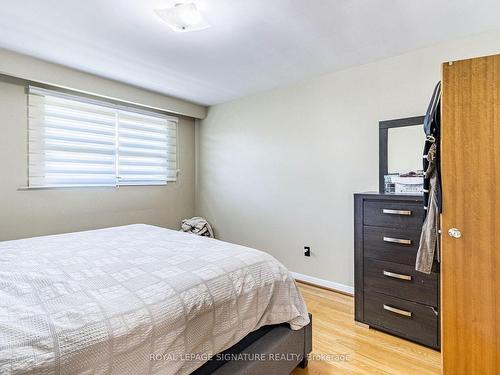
x: 411, y: 320
x: 400, y: 280
x: 389, y: 244
x: 393, y: 214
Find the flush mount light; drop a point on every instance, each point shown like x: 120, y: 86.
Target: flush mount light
x: 183, y: 17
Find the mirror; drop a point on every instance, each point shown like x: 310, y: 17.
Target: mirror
x: 401, y: 145
x: 405, y: 146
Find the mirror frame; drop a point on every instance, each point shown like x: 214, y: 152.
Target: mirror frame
x: 383, y: 133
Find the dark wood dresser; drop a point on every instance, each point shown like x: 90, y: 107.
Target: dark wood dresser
x: 389, y: 294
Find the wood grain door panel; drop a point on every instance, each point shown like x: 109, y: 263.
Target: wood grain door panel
x: 470, y: 267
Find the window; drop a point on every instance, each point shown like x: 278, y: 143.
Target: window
x: 76, y: 141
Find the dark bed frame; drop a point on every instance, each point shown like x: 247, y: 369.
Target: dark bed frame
x: 280, y: 349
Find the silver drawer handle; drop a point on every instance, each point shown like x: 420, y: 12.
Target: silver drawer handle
x: 397, y: 311
x: 396, y: 212
x: 397, y: 240
x: 397, y: 275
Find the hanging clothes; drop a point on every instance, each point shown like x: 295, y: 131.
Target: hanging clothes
x: 432, y: 127
x: 429, y: 239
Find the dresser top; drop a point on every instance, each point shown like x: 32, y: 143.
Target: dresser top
x: 388, y: 196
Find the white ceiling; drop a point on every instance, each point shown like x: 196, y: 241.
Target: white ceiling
x: 253, y: 45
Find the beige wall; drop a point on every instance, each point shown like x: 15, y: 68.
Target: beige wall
x: 277, y: 170
x: 40, y: 212
x: 32, y: 69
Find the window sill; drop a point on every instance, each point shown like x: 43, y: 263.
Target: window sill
x: 28, y: 188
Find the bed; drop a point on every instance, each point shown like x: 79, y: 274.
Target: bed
x: 140, y: 299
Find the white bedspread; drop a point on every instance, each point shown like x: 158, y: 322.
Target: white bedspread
x: 136, y: 299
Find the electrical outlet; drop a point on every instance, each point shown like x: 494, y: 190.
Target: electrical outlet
x: 307, y: 251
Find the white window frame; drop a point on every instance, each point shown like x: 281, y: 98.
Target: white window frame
x: 37, y: 123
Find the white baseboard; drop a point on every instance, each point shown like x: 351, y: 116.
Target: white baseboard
x: 324, y: 283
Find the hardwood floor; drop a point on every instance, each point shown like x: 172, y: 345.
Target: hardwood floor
x: 368, y: 351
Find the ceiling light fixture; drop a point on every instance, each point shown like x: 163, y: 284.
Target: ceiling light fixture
x: 183, y: 17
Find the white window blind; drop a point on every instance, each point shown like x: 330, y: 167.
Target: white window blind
x: 76, y: 141
x: 147, y: 149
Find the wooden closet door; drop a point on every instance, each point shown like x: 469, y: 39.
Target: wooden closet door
x: 470, y: 266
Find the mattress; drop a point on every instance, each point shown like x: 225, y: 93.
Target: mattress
x: 135, y: 299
